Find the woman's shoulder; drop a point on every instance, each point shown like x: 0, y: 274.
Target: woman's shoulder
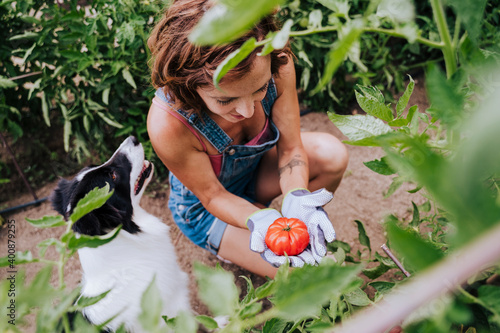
x: 163, y: 127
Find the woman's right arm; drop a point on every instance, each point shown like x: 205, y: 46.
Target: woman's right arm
x: 183, y: 155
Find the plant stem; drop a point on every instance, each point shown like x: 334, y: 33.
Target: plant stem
x: 448, y: 48
x: 260, y: 318
x: 394, y: 33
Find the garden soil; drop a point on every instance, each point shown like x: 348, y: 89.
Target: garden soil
x: 359, y: 197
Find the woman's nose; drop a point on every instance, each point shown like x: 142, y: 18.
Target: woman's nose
x: 246, y: 108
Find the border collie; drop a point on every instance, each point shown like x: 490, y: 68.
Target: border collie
x: 142, y: 250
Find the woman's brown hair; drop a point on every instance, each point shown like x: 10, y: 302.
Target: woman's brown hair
x: 179, y: 67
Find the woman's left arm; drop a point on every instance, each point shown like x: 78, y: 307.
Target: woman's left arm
x: 292, y: 158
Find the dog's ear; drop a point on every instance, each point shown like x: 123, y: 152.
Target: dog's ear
x: 61, y: 196
x: 89, y: 225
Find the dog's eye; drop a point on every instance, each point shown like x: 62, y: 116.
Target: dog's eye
x: 113, y: 175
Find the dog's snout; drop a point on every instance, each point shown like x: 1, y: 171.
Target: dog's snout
x: 135, y: 141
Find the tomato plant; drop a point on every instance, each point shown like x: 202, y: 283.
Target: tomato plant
x: 288, y: 236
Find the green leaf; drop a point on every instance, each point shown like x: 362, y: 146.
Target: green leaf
x: 471, y: 13
x: 151, y: 305
x: 129, y: 78
x: 78, y: 241
x: 446, y: 97
x: 336, y: 57
x: 405, y: 98
x: 380, y: 167
x: 5, y: 83
x: 281, y: 38
x: 395, y: 185
x: 274, y: 325
x: 474, y: 206
x: 250, y: 310
x: 84, y: 301
x: 250, y: 290
x: 21, y: 258
x: 416, y: 216
x: 359, y: 127
x: 417, y: 252
x: 67, y: 134
x: 371, y: 100
x: 490, y: 296
x: 92, y: 200
x: 363, y: 237
x: 109, y: 121
x: 233, y: 60
x: 308, y: 288
x: 358, y: 297
x: 383, y: 287
x: 105, y: 95
x: 375, y: 272
x: 48, y: 221
x: 185, y: 322
x: 216, y: 289
x: 208, y: 322
x: 265, y: 290
x: 45, y: 109
x: 228, y: 20
x: 25, y: 35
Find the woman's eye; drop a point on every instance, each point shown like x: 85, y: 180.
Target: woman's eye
x: 264, y: 88
x: 223, y: 102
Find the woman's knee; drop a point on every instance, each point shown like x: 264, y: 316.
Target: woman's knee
x: 327, y: 154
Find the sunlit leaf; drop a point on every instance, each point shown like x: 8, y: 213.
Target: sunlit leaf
x: 48, y: 221
x: 92, y: 200
x: 362, y: 236
x: 20, y: 258
x: 5, y: 83
x: 78, y: 241
x: 233, y: 60
x: 371, y: 100
x: 417, y: 253
x: 336, y: 57
x: 151, y: 305
x: 447, y: 100
x: 359, y: 127
x: 306, y: 289
x: 216, y: 289
x: 358, y: 297
x: 229, y: 20
x: 403, y: 100
x: 380, y: 167
x: 129, y: 78
x: 208, y: 322
x: 471, y: 14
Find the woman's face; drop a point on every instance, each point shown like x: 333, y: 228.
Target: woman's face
x: 238, y: 97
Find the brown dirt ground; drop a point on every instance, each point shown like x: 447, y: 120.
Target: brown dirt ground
x: 359, y: 197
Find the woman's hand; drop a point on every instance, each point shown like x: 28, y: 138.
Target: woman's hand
x: 307, y: 207
x: 258, y: 223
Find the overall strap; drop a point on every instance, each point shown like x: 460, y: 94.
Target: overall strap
x: 271, y: 95
x: 182, y: 119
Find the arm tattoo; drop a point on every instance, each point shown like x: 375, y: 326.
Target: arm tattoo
x: 296, y: 161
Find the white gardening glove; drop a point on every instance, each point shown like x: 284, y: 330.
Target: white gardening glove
x: 258, y: 223
x: 307, y: 207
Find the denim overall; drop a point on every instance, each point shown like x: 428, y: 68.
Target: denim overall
x: 237, y: 175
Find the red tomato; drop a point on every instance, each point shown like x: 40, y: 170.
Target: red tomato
x: 288, y: 236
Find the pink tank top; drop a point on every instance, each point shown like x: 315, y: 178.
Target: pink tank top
x: 216, y: 160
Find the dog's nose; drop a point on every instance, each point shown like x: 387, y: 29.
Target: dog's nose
x: 135, y: 141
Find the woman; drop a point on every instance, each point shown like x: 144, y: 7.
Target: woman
x: 230, y: 152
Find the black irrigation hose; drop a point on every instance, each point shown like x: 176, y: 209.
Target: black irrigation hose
x: 11, y: 209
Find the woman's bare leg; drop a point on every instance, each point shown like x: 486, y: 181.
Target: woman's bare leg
x: 235, y: 247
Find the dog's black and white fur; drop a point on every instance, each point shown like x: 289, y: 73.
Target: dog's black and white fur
x: 142, y: 250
